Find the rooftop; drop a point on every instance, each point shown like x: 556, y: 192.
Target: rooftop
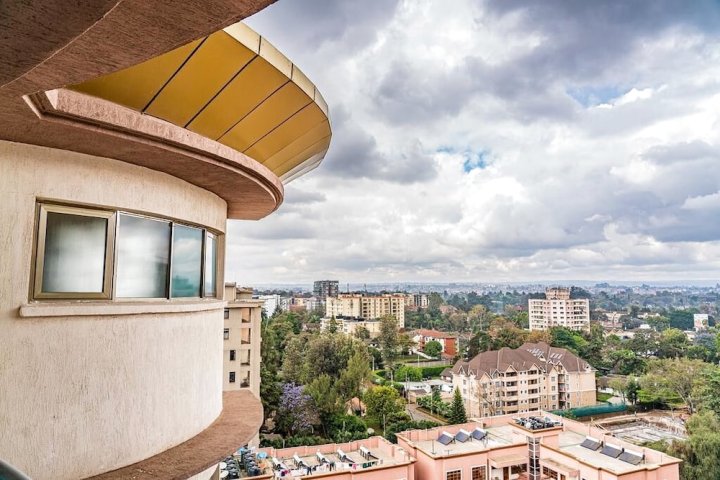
x: 575, y: 442
x: 371, y: 453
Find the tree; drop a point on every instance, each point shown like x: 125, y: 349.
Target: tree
x: 408, y: 373
x: 711, y: 390
x: 618, y: 385
x: 388, y: 339
x: 294, y: 361
x: 325, y: 397
x: 436, y: 400
x: 480, y: 342
x: 362, y: 333
x: 679, y: 377
x: 631, y: 390
x: 433, y: 348
x: 457, y: 409
x: 332, y: 325
x: 673, y: 343
x: 354, y: 375
x: 700, y: 453
x: 296, y: 410
x: 381, y: 402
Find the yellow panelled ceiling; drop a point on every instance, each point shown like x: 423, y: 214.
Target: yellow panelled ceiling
x: 234, y: 87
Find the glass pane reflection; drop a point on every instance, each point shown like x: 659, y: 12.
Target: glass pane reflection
x: 143, y: 252
x: 186, y: 261
x: 74, y: 253
x: 210, y: 264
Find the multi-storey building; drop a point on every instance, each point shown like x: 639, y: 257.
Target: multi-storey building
x: 326, y: 288
x: 447, y: 341
x: 526, y: 379
x: 540, y: 447
x: 557, y: 309
x: 368, y: 307
x: 241, y: 340
x: 416, y: 301
x: 130, y: 132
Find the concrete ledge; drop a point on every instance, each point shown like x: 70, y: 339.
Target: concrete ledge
x: 84, y: 309
x: 239, y: 421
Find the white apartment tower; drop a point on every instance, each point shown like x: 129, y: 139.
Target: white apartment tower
x: 557, y: 309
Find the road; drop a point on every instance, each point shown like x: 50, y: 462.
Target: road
x: 416, y: 414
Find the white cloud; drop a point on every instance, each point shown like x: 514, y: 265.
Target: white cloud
x: 419, y: 88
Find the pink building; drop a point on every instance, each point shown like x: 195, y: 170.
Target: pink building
x: 541, y: 447
x: 371, y: 459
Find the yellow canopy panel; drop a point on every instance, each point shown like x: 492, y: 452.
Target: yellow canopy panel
x: 234, y: 87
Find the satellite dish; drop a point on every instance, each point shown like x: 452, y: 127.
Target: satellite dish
x: 223, y: 465
x: 224, y: 474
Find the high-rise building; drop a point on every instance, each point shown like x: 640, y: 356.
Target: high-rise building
x: 557, y: 309
x: 326, y: 288
x: 130, y: 132
x: 367, y: 307
x: 526, y: 379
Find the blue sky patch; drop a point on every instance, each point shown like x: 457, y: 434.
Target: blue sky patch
x: 475, y: 160
x: 592, y: 95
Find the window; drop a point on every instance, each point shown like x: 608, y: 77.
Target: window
x: 454, y: 475
x: 210, y: 264
x: 186, y: 261
x: 478, y: 473
x: 232, y: 355
x: 143, y: 259
x: 226, y: 313
x: 74, y: 251
x: 232, y: 377
x: 226, y: 334
x: 87, y: 253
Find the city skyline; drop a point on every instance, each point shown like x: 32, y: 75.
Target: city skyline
x: 499, y: 143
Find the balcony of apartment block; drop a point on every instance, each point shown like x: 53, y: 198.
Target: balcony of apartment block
x: 510, y: 396
x: 562, y: 388
x: 245, y: 336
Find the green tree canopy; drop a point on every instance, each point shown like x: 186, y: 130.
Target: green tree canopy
x: 433, y: 348
x: 457, y: 409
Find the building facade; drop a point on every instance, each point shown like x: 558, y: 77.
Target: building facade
x: 416, y: 301
x: 541, y: 447
x: 527, y: 379
x: 367, y: 307
x: 326, y: 288
x: 241, y: 340
x: 124, y: 150
x: 448, y: 341
x: 557, y: 309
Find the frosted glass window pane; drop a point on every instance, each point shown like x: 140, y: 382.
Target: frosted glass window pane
x: 143, y: 252
x: 210, y: 264
x: 186, y: 261
x: 74, y: 253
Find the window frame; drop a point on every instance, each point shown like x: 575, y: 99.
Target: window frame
x: 43, y: 207
x: 42, y: 210
x: 454, y: 471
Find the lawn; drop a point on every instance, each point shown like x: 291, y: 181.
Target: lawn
x: 603, y: 397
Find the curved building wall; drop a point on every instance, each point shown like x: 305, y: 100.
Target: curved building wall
x: 104, y: 384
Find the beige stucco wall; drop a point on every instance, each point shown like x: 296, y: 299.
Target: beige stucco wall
x: 86, y: 394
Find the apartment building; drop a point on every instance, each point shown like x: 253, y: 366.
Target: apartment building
x: 557, y: 309
x: 326, y: 288
x: 416, y: 301
x: 241, y: 340
x: 126, y: 143
x: 368, y: 307
x: 526, y: 379
x: 539, y: 447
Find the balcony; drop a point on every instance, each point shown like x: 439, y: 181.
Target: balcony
x: 238, y: 422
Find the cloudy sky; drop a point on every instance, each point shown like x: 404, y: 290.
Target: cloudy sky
x: 499, y: 141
